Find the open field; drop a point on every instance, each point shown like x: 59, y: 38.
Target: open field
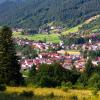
x: 73, y: 52
x: 72, y: 30
x: 47, y: 37
x: 44, y: 37
x: 44, y: 94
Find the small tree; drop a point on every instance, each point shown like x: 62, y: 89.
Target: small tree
x: 94, y: 81
x: 89, y: 68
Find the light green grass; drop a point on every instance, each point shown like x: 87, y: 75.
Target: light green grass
x: 72, y: 30
x: 44, y: 37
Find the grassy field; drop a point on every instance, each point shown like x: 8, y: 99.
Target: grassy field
x: 73, y: 52
x: 44, y: 94
x: 50, y: 38
x: 72, y: 30
x: 44, y: 37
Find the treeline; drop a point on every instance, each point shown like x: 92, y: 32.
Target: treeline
x: 35, y: 13
x: 77, y: 39
x: 26, y: 51
x: 55, y: 75
x: 92, y: 54
x: 92, y: 26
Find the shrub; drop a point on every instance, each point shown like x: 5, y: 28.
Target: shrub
x: 27, y: 93
x: 2, y: 87
x: 51, y: 95
x: 65, y: 89
x: 73, y: 98
x: 95, y: 92
x: 66, y: 84
x: 94, y: 81
x: 14, y: 94
x: 84, y: 98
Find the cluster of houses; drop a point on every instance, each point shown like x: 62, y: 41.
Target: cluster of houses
x: 91, y: 46
x: 42, y: 46
x: 45, y: 30
x: 49, y: 58
x: 48, y: 29
x: 68, y: 58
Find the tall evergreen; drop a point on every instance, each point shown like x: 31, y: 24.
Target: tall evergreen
x: 9, y: 66
x: 89, y: 68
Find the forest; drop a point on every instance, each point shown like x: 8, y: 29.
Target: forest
x: 35, y: 13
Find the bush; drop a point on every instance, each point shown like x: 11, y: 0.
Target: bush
x: 95, y: 92
x: 51, y: 95
x: 94, y: 81
x: 27, y: 93
x: 73, y: 98
x: 2, y: 87
x: 78, y: 86
x: 14, y: 94
x: 65, y: 89
x: 66, y: 85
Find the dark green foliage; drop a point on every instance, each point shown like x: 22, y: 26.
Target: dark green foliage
x: 27, y: 93
x: 9, y: 66
x: 89, y: 68
x: 90, y: 77
x: 83, y: 79
x: 72, y: 38
x: 26, y: 51
x: 95, y: 92
x: 2, y: 87
x: 94, y: 81
x: 53, y: 75
x: 51, y: 95
x: 65, y: 89
x: 92, y: 54
x: 34, y: 13
x: 92, y: 26
x: 73, y: 98
x: 32, y: 72
x: 66, y: 85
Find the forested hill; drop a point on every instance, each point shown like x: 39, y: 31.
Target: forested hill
x: 91, y: 25
x: 34, y: 13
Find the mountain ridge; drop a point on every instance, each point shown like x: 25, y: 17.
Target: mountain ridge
x: 35, y: 13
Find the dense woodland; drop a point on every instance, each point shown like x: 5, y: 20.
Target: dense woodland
x: 34, y: 13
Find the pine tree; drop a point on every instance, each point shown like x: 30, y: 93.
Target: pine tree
x: 89, y: 68
x: 9, y: 66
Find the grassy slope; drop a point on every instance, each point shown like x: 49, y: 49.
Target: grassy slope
x: 42, y: 93
x: 93, y: 23
x: 50, y: 38
x: 55, y: 37
x: 72, y: 30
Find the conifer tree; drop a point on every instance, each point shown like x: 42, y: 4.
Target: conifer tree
x: 89, y: 67
x: 9, y: 65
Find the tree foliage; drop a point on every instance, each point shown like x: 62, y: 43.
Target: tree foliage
x: 9, y: 65
x: 34, y: 13
x: 53, y: 75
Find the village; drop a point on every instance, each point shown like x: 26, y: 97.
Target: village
x: 48, y: 53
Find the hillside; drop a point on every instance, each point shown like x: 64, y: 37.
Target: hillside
x: 34, y: 13
x: 93, y: 24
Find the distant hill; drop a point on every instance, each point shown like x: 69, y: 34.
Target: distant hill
x: 34, y: 13
x: 92, y: 24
